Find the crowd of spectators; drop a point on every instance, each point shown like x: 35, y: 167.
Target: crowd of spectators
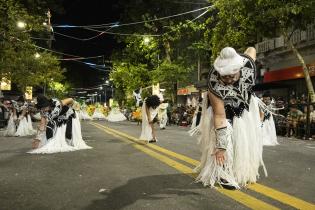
x: 292, y: 119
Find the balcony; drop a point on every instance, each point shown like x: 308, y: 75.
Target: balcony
x: 300, y: 38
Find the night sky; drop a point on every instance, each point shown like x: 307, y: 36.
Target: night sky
x: 82, y: 12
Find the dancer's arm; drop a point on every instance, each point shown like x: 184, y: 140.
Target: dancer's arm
x: 251, y: 51
x: 23, y: 114
x: 67, y: 101
x: 148, y: 114
x: 220, y: 126
x: 218, y: 111
x: 41, y: 132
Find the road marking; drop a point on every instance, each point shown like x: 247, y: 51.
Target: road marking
x: 282, y: 197
x: 155, y: 147
x: 238, y: 196
x: 267, y: 191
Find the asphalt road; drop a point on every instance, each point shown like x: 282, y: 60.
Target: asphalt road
x: 119, y: 173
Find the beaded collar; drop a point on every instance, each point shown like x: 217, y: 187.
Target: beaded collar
x: 238, y: 93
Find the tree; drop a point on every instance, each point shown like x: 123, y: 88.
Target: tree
x: 240, y: 23
x: 128, y: 77
x: 174, y: 54
x: 17, y: 50
x: 58, y: 89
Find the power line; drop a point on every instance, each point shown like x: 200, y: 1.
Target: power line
x: 61, y: 53
x: 38, y: 38
x: 116, y: 24
x: 95, y: 66
x: 80, y: 58
x: 123, y: 34
x: 199, y: 16
x: 80, y: 39
x: 189, y: 2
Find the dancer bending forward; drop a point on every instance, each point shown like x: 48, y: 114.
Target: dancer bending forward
x: 59, y: 129
x: 231, y: 140
x: 149, y: 112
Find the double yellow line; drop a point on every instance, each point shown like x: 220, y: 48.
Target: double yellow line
x: 241, y: 197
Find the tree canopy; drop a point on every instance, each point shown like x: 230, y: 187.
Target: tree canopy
x: 21, y: 60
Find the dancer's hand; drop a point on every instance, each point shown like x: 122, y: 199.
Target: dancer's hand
x: 220, y: 156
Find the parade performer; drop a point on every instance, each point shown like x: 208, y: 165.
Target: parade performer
x: 98, y: 114
x: 11, y: 127
x: 115, y: 115
x: 194, y: 129
x: 162, y: 114
x: 268, y: 125
x: 137, y: 116
x: 149, y: 112
x: 59, y: 129
x: 84, y: 114
x: 231, y: 137
x: 24, y: 121
x: 137, y: 96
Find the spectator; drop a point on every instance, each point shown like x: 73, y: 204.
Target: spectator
x: 293, y: 118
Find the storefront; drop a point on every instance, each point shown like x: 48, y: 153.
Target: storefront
x: 286, y: 81
x: 187, y: 96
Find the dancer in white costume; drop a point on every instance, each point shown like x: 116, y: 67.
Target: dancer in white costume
x: 138, y: 98
x: 231, y: 137
x: 84, y: 115
x: 98, y: 115
x: 162, y: 114
x: 194, y: 129
x: 59, y: 129
x: 115, y: 115
x: 11, y: 127
x: 268, y: 126
x: 25, y: 127
x: 149, y: 112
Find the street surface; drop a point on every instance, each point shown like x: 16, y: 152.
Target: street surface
x: 121, y: 173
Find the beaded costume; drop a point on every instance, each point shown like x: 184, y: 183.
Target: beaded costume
x: 241, y: 139
x: 62, y: 132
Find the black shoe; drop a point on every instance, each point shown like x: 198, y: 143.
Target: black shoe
x: 152, y: 141
x: 226, y: 185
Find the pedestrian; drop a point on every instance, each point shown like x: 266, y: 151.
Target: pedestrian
x: 231, y: 138
x: 149, y: 112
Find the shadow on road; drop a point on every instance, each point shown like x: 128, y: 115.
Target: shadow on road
x: 146, y: 188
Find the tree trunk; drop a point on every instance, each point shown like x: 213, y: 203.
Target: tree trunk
x: 167, y: 48
x: 308, y: 80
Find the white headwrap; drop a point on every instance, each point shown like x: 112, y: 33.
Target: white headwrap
x: 228, y: 62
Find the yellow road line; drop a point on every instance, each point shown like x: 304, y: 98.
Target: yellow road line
x: 160, y: 149
x: 282, y: 197
x: 267, y: 191
x: 238, y: 196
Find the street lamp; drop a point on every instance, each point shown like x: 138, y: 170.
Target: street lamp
x: 21, y: 24
x: 146, y: 40
x: 37, y: 55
